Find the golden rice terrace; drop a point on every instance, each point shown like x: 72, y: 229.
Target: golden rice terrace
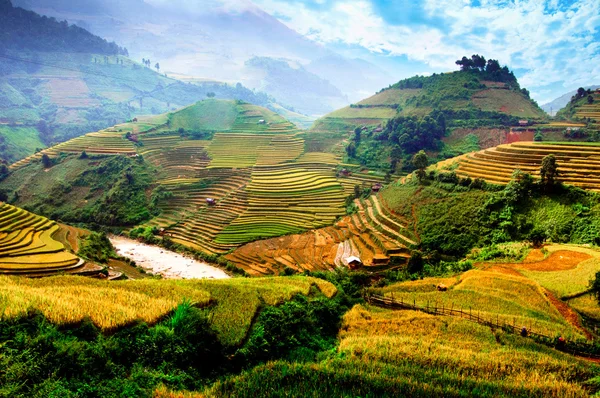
x: 578, y: 163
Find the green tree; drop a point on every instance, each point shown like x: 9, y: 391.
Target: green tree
x: 590, y: 99
x: 46, y: 161
x: 549, y: 171
x: 595, y: 286
x: 210, y: 94
x: 357, y: 132
x: 420, y: 162
x: 415, y: 263
x: 351, y: 149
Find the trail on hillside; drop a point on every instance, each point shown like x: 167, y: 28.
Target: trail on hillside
x: 567, y: 312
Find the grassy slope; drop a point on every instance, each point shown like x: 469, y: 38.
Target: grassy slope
x: 20, y: 142
x: 67, y: 300
x: 448, y: 92
x: 205, y: 115
x: 406, y: 353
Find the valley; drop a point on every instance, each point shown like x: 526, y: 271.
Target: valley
x: 238, y: 215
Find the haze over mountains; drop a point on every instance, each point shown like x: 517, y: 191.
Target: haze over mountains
x: 241, y: 43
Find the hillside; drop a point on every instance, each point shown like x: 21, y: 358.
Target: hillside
x: 221, y: 43
x: 253, y: 163
x: 55, y: 89
x: 302, y: 335
x: 577, y: 162
x: 583, y: 107
x: 468, y: 107
x: 556, y: 105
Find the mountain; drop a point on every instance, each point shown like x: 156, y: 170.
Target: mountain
x: 448, y: 114
x: 559, y: 103
x: 357, y: 78
x: 293, y: 84
x: 217, y: 42
x: 264, y: 179
x: 58, y: 81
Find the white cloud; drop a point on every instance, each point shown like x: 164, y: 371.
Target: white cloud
x: 552, y: 43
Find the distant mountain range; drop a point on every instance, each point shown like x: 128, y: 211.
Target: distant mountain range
x: 554, y: 106
x: 217, y: 43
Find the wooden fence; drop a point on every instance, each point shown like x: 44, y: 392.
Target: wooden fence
x: 571, y: 347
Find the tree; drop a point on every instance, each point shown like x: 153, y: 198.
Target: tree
x: 357, y: 132
x: 351, y: 150
x: 420, y: 162
x: 595, y: 286
x: 210, y: 94
x: 478, y: 61
x: 46, y: 161
x: 590, y: 99
x: 549, y: 171
x: 415, y: 263
x: 492, y: 66
x: 465, y: 63
x: 157, y: 66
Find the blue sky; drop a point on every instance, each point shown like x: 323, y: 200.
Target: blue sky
x: 553, y: 46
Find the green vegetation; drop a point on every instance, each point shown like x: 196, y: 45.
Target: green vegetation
x: 246, y: 322
x: 454, y: 215
x: 417, y: 113
x: 18, y: 142
x: 111, y: 191
x: 97, y: 247
x: 206, y: 115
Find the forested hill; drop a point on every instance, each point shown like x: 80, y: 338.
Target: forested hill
x: 446, y: 114
x: 25, y: 30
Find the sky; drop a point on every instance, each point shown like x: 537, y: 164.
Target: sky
x: 553, y: 46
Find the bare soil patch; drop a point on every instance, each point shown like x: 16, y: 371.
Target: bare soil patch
x: 560, y: 260
x: 567, y: 312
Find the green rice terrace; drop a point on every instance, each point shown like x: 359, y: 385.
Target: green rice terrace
x: 216, y: 182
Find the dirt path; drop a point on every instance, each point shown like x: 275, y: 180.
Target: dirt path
x: 567, y: 312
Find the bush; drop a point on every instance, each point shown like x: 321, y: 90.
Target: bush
x: 97, y: 247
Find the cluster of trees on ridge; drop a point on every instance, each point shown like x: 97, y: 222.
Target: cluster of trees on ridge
x: 581, y: 93
x: 26, y: 29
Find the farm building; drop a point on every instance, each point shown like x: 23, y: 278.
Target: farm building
x: 353, y: 262
x: 523, y: 122
x: 376, y: 188
x: 262, y: 121
x: 211, y: 201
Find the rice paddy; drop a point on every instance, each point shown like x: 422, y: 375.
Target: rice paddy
x: 110, y: 305
x: 578, y: 164
x: 252, y: 164
x: 28, y: 244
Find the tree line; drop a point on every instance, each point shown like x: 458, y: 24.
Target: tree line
x: 26, y: 30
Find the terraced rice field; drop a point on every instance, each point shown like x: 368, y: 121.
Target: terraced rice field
x: 28, y: 244
x: 255, y: 168
x: 378, y: 238
x: 578, y: 164
x: 286, y: 199
x: 105, y: 143
x: 591, y: 111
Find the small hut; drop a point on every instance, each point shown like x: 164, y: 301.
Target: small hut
x: 376, y: 188
x: 353, y: 262
x: 262, y: 121
x: 211, y: 201
x: 523, y: 122
x: 135, y: 119
x: 345, y: 172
